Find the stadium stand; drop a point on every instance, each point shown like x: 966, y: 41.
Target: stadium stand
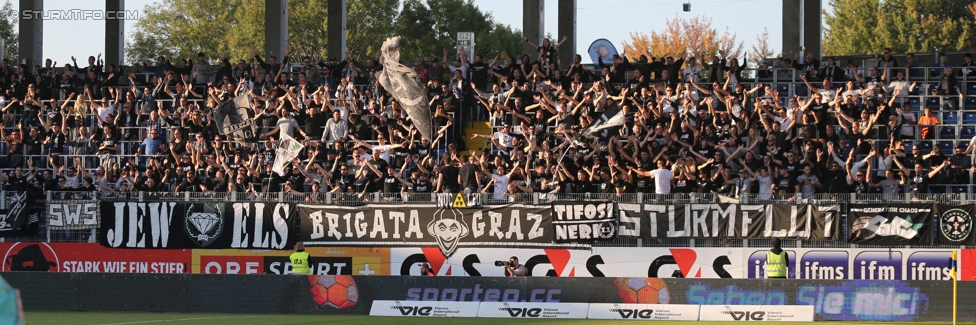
x: 687, y: 128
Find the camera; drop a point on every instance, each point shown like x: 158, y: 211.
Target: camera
x: 502, y: 263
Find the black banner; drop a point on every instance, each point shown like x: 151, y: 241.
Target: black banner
x: 21, y: 218
x: 418, y: 225
x: 197, y: 225
x: 583, y: 221
x: 725, y: 220
x: 72, y: 214
x: 955, y: 224
x: 890, y: 224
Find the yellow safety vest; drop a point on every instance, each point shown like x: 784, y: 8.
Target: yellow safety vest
x: 776, y: 265
x: 299, y: 262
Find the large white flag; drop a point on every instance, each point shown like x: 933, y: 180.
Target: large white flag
x: 288, y: 149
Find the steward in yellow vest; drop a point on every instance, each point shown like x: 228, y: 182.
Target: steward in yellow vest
x: 776, y: 261
x: 299, y: 260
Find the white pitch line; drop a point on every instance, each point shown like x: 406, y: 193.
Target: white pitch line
x: 179, y: 320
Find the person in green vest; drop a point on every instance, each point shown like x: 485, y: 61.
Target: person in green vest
x: 299, y: 260
x: 776, y: 261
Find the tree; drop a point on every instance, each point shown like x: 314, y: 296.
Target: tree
x: 453, y: 16
x: 8, y: 23
x: 761, y: 49
x: 369, y: 23
x: 680, y: 38
x: 869, y: 26
x: 181, y: 28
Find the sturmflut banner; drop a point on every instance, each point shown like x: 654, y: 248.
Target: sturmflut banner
x: 724, y: 220
x: 418, y: 225
x: 197, y: 225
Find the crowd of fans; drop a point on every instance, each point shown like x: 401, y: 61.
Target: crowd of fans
x: 689, y: 127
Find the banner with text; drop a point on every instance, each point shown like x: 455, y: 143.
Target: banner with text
x: 724, y: 220
x: 197, y: 225
x: 91, y: 257
x: 322, y: 261
x: 955, y: 224
x: 72, y: 214
x: 583, y: 221
x: 426, y: 225
x: 890, y: 224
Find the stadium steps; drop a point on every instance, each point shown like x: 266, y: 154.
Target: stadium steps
x: 479, y: 127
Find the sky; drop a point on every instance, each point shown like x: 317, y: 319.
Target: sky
x: 610, y: 19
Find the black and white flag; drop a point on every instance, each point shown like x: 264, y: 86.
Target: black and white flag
x: 20, y: 218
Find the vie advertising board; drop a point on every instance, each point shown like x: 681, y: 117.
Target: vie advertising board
x: 533, y: 310
x: 424, y: 308
x: 643, y: 311
x: 756, y: 313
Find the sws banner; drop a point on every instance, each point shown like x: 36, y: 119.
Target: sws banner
x: 424, y: 225
x: 723, y: 220
x: 72, y: 214
x: 197, y: 225
x: 890, y: 224
x: 583, y: 221
x: 955, y: 224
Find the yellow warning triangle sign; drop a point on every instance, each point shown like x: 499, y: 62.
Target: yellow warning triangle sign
x: 459, y: 202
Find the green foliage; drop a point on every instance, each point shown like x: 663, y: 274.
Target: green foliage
x: 181, y: 28
x: 368, y: 24
x: 413, y: 24
x: 868, y: 26
x: 8, y: 24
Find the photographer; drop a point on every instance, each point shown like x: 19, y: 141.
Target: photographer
x: 512, y: 267
x: 425, y: 270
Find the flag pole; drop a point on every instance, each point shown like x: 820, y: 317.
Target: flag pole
x: 955, y: 284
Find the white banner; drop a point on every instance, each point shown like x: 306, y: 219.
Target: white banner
x: 72, y: 214
x: 712, y: 263
x: 756, y: 313
x: 288, y: 150
x: 424, y: 308
x: 533, y: 310
x: 643, y: 312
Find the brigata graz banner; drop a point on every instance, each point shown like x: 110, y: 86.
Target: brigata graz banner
x: 723, y: 220
x: 254, y: 225
x: 427, y: 225
x: 890, y: 224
